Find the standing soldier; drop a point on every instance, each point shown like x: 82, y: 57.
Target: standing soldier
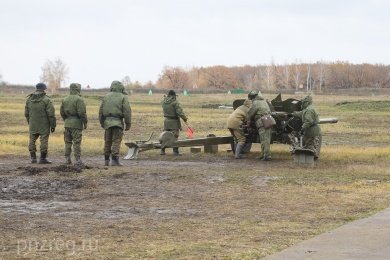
x: 236, y: 120
x: 73, y: 111
x: 261, y: 108
x: 114, y: 109
x: 172, y: 114
x: 40, y: 114
x: 310, y: 131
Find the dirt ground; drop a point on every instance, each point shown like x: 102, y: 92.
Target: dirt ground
x: 192, y: 206
x: 61, y: 211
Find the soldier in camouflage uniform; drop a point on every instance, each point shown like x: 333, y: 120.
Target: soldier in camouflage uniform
x: 40, y: 115
x: 258, y: 109
x: 73, y: 111
x: 236, y: 120
x: 311, y: 130
x: 172, y: 114
x: 114, y: 109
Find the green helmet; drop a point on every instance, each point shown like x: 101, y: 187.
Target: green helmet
x: 252, y: 94
x: 306, y: 101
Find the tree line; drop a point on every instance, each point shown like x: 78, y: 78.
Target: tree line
x: 319, y: 76
x: 296, y: 76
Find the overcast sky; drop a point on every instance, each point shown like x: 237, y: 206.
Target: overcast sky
x: 105, y: 40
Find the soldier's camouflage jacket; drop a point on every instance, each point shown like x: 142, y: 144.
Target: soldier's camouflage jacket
x: 172, y: 113
x: 39, y: 112
x: 115, y: 108
x: 73, y: 109
x: 310, y: 118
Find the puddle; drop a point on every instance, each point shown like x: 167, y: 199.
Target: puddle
x: 261, y: 181
x: 33, y: 207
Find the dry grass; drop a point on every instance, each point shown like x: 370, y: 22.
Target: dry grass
x: 222, y: 208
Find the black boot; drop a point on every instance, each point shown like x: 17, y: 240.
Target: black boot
x: 266, y: 158
x: 106, y: 160
x: 115, y: 161
x: 246, y: 148
x: 68, y: 161
x: 78, y: 163
x: 43, y: 159
x: 162, y: 151
x: 237, y: 152
x: 33, y: 157
x: 176, y: 151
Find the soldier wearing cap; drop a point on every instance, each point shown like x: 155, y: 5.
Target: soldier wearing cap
x: 40, y: 115
x: 258, y: 109
x: 172, y: 114
x: 73, y: 112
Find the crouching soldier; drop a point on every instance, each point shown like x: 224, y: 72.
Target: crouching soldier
x: 73, y: 112
x: 114, y: 109
x: 40, y: 115
x: 235, y: 122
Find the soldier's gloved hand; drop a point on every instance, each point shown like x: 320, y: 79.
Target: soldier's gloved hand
x: 52, y: 129
x: 85, y: 126
x: 302, y: 132
x: 290, y: 115
x: 127, y: 128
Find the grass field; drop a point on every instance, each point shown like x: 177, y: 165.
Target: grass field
x: 196, y: 205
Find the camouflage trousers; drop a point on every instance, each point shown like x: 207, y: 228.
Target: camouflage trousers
x: 314, y: 144
x: 43, y: 138
x: 175, y: 133
x: 265, y: 140
x: 73, y: 136
x: 238, y: 135
x: 112, y: 141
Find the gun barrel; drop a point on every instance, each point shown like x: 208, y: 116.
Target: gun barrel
x: 331, y: 120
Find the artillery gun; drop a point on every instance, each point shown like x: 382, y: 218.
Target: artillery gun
x: 285, y: 131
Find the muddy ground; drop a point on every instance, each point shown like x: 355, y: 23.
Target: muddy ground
x: 167, y: 207
x: 60, y: 211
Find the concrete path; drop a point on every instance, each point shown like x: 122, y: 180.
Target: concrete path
x: 367, y: 238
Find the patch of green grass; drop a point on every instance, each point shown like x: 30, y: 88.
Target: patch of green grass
x: 365, y: 106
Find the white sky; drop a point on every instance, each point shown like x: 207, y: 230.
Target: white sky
x: 105, y: 40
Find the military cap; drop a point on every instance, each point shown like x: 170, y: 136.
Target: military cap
x: 172, y: 93
x: 41, y: 86
x: 253, y: 93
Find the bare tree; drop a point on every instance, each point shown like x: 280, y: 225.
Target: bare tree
x: 54, y: 74
x: 308, y: 78
x: 297, y: 75
x: 126, y: 82
x: 322, y: 74
x: 194, y: 77
x: 173, y: 78
x: 286, y: 74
